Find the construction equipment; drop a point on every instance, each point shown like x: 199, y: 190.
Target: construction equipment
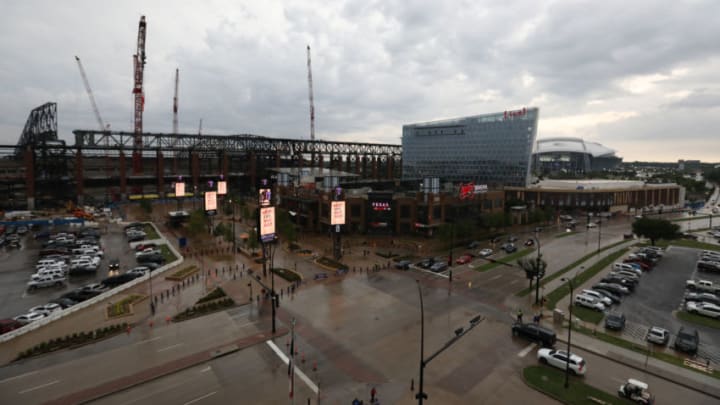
x: 139, y: 96
x: 101, y: 123
x: 175, y: 102
x: 310, y: 92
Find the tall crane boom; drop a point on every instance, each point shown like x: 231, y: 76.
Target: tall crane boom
x: 175, y: 102
x: 310, y: 95
x: 139, y: 98
x: 100, y: 121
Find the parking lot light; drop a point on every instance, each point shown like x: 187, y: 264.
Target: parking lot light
x: 567, y: 362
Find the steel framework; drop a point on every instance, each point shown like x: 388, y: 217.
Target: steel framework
x: 40, y: 127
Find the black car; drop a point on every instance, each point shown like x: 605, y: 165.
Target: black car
x: 509, y: 248
x: 703, y: 297
x: 115, y: 281
x: 75, y: 296
x: 615, y: 321
x: 613, y: 288
x: 614, y: 298
x: 403, y: 264
x: 536, y: 333
x: 151, y: 258
x: 619, y: 281
x: 426, y: 263
x: 473, y: 245
x: 136, y: 238
x: 687, y: 340
x: 114, y: 265
x: 63, y: 302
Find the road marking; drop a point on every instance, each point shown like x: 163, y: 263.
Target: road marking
x: 513, y: 282
x: 39, y: 386
x: 19, y: 376
x: 149, y: 340
x: 495, y: 277
x: 526, y: 350
x: 205, y: 369
x: 299, y: 372
x: 169, y: 347
x: 200, y: 398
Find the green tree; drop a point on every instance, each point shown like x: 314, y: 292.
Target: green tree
x: 653, y: 228
x: 198, y: 222
x: 253, y: 239
x: 534, y: 270
x: 285, y: 226
x: 146, y: 206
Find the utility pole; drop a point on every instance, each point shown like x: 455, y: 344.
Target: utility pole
x: 175, y: 102
x: 310, y: 96
x: 139, y: 96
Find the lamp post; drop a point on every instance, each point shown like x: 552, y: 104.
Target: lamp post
x: 599, y: 223
x: 567, y: 361
x: 459, y: 332
x: 152, y: 302
x: 538, y: 275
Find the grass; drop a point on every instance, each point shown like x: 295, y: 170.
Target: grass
x: 567, y: 268
x: 564, y: 234
x: 124, y: 306
x: 150, y: 232
x: 698, y: 319
x: 167, y: 254
x: 557, y: 294
x: 182, y: 274
x: 505, y: 260
x: 551, y: 381
x: 286, y: 274
x: 626, y: 344
x: 588, y: 315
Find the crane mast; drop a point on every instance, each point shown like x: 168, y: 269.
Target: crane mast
x: 139, y: 96
x: 100, y: 121
x: 175, y: 102
x: 310, y: 95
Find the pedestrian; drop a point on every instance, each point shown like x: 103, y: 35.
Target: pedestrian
x: 536, y: 319
x: 519, y: 315
x: 373, y: 392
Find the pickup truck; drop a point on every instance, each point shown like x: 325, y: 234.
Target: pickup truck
x: 44, y: 282
x: 702, y: 285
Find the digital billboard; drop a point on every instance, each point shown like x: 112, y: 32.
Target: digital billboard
x: 267, y: 224
x: 265, y: 197
x: 180, y: 189
x: 222, y: 188
x: 337, y: 213
x: 210, y: 201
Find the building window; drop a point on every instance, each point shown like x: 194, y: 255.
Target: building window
x: 404, y: 211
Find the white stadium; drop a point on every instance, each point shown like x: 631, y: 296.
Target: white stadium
x: 572, y: 155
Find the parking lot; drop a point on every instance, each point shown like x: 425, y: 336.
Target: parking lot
x: 660, y: 292
x: 19, y: 264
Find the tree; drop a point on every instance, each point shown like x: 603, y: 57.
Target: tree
x: 146, y: 206
x: 197, y: 224
x: 285, y: 226
x: 534, y: 270
x: 253, y: 239
x: 653, y: 228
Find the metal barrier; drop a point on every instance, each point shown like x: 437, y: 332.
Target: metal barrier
x: 107, y: 294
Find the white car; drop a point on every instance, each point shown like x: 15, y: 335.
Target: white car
x: 605, y: 300
x: 703, y: 308
x: 485, y: 252
x: 559, y: 359
x: 46, y: 309
x: 148, y: 251
x: 589, y: 302
x: 29, y: 317
x: 658, y: 335
x: 139, y: 271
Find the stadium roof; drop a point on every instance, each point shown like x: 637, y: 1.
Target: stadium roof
x: 575, y: 145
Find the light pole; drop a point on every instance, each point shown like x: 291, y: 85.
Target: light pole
x: 540, y: 272
x: 599, y: 223
x: 459, y: 332
x: 152, y: 302
x: 567, y: 361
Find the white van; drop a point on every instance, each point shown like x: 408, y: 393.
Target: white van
x: 589, y: 302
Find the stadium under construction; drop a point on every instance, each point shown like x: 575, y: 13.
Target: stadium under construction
x: 42, y: 171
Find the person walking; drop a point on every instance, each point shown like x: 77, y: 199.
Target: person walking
x: 519, y: 315
x: 373, y: 392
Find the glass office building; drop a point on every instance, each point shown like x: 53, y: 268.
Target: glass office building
x: 493, y: 149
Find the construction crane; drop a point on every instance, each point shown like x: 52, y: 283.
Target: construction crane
x: 312, y: 102
x: 175, y: 102
x: 139, y: 96
x: 100, y: 121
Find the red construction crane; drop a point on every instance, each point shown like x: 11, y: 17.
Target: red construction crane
x: 100, y: 121
x: 312, y: 102
x: 175, y: 102
x: 139, y: 62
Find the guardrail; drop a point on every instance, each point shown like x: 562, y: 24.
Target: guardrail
x: 107, y: 294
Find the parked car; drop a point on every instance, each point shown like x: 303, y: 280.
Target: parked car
x: 63, y: 302
x: 658, y: 335
x: 509, y: 248
x: 613, y: 288
x: 703, y: 308
x: 154, y: 258
x: 703, y: 297
x: 602, y: 298
x: 536, y: 333
x: 46, y: 309
x: 473, y: 245
x: 7, y: 325
x: 615, y: 299
x: 426, y: 263
x: 619, y: 281
x: 402, y: 265
x: 115, y: 281
x: 589, y: 302
x: 687, y: 340
x: 139, y: 271
x: 29, y: 317
x: 144, y: 246
x: 134, y: 225
x: 45, y: 282
x: 438, y: 267
x: 559, y: 359
x: 485, y: 252
x: 464, y: 259
x: 148, y: 251
x: 615, y: 321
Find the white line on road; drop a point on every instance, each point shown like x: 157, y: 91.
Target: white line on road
x: 169, y: 347
x: 299, y: 372
x: 18, y: 376
x: 39, y: 386
x: 495, y: 278
x: 526, y: 350
x: 513, y: 282
x: 149, y: 340
x: 200, y: 398
x: 205, y: 369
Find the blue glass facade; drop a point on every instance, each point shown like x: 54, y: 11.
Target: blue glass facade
x: 493, y: 149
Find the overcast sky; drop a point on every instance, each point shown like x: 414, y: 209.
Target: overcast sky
x: 641, y: 77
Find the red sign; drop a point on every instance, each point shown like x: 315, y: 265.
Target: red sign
x: 467, y: 191
x: 381, y: 206
x: 514, y: 113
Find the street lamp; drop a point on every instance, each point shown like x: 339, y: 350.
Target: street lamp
x: 567, y: 361
x: 459, y: 332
